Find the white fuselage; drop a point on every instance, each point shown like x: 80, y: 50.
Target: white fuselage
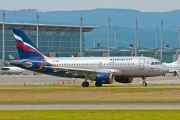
x: 120, y: 66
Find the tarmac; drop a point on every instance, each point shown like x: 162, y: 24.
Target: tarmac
x: 46, y: 79
x: 88, y: 105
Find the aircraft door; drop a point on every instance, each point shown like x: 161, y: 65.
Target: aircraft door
x: 43, y: 63
x: 141, y: 64
x: 100, y: 65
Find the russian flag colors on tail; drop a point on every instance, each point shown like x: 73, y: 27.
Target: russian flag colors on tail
x: 26, y: 48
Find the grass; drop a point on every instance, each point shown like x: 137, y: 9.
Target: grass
x: 91, y: 94
x: 112, y: 114
x: 77, y: 89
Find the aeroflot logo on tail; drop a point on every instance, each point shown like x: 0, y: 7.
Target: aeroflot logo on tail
x: 121, y: 59
x: 22, y: 43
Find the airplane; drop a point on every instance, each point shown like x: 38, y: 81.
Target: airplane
x: 102, y: 70
x: 174, y: 67
x: 12, y: 70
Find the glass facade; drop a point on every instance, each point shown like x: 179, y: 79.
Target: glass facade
x: 64, y: 44
x: 168, y: 55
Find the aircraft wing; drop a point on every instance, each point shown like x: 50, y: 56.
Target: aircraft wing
x: 57, y: 69
x: 79, y: 70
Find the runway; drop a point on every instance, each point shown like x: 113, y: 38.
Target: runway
x: 46, y: 79
x: 75, y: 105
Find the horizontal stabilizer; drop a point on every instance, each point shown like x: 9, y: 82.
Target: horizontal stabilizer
x: 26, y: 64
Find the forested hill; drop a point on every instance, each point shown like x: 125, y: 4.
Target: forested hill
x: 123, y: 18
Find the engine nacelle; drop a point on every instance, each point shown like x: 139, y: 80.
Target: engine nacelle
x: 124, y: 79
x: 176, y: 72
x: 104, y: 78
x: 69, y: 75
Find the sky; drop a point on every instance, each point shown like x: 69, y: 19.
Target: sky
x: 68, y: 5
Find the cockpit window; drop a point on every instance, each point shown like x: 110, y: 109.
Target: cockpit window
x: 156, y: 63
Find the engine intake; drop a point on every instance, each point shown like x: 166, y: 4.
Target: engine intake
x: 104, y: 78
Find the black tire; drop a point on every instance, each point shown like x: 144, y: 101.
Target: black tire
x: 85, y: 84
x: 144, y: 84
x: 98, y: 84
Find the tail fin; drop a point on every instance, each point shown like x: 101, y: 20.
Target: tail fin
x: 178, y: 60
x: 26, y: 48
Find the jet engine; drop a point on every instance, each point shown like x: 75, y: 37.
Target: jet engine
x: 176, y: 72
x: 69, y: 75
x: 104, y: 78
x: 124, y: 79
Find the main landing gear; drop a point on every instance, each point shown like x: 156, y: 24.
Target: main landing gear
x: 85, y: 83
x: 144, y: 81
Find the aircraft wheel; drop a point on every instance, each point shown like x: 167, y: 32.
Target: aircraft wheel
x: 144, y: 84
x: 85, y: 84
x: 98, y: 84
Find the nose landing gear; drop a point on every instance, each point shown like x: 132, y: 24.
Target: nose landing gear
x: 144, y: 81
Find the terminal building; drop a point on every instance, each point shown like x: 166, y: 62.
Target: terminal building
x: 168, y: 54
x: 53, y: 40
x: 64, y: 41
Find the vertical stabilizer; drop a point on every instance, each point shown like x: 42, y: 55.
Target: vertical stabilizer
x: 26, y: 48
x: 178, y: 60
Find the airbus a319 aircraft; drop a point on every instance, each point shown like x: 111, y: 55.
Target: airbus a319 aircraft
x: 102, y: 70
